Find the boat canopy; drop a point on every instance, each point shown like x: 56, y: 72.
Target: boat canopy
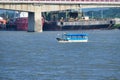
x: 76, y: 34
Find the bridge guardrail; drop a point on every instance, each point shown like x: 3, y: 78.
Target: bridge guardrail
x: 61, y: 1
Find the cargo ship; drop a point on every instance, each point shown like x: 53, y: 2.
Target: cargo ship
x: 76, y: 21
x: 77, y: 25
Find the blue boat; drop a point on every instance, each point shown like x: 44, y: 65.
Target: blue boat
x: 73, y: 38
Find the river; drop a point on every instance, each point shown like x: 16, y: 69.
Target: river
x: 38, y: 56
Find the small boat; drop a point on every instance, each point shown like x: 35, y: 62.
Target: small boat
x: 73, y: 38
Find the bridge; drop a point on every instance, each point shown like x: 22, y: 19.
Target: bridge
x: 35, y: 7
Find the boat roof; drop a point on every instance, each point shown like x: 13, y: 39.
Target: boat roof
x: 76, y: 34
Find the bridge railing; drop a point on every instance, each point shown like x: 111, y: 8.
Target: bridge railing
x: 66, y: 0
x: 62, y: 1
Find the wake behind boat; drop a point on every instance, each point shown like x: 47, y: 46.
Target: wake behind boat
x: 73, y: 38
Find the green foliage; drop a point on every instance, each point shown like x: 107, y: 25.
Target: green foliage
x: 104, y: 13
x: 116, y: 26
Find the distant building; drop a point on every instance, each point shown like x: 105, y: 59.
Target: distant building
x: 23, y: 14
x: 117, y: 20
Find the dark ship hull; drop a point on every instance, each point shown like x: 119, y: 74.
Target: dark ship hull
x: 85, y: 25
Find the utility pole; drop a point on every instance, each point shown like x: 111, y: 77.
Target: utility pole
x: 101, y: 14
x: 92, y: 15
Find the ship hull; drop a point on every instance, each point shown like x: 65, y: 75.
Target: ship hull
x: 81, y: 27
x: 53, y: 26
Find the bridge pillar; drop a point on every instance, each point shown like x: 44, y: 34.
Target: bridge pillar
x: 34, y: 22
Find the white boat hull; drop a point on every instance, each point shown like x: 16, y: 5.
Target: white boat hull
x: 64, y: 41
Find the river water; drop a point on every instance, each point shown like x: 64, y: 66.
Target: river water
x: 38, y: 56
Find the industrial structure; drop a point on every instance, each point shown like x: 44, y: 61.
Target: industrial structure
x: 36, y: 7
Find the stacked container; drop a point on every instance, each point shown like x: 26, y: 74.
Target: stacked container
x: 22, y: 23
